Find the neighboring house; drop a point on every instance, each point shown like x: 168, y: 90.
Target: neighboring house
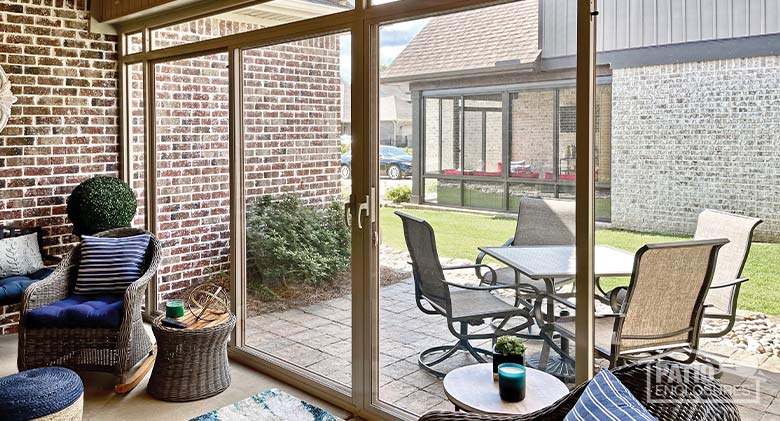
x: 687, y: 108
x: 395, y: 114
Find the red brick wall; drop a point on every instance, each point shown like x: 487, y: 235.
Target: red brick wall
x: 63, y: 129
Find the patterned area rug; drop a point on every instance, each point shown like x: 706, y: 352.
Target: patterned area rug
x: 271, y: 405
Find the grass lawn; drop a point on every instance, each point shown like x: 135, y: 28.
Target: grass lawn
x: 459, y: 234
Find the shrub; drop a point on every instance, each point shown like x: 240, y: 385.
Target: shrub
x: 101, y: 203
x: 400, y: 194
x: 289, y: 242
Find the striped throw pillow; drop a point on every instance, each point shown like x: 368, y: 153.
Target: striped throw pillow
x: 110, y: 265
x: 606, y: 399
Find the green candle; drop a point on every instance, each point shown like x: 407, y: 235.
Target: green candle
x: 174, y: 309
x: 511, y: 382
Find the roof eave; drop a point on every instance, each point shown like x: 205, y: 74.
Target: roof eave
x: 452, y: 74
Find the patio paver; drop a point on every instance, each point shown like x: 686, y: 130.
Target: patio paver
x: 318, y: 337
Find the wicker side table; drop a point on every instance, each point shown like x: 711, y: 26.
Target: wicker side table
x: 192, y: 363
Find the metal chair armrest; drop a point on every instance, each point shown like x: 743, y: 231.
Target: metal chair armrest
x: 482, y: 254
x: 481, y: 288
x: 729, y: 284
x: 476, y: 268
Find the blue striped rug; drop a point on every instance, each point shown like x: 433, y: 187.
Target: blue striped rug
x: 271, y: 405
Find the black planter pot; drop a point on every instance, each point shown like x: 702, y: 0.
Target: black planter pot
x: 499, y: 359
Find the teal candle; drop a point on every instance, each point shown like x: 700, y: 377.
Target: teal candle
x: 511, y: 382
x: 174, y: 309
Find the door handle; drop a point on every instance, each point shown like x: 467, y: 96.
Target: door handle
x: 368, y: 208
x: 348, y: 212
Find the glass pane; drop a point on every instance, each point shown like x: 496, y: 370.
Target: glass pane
x: 134, y: 43
x: 516, y: 191
x: 533, y: 134
x: 263, y: 15
x: 482, y: 136
x: 433, y: 135
x: 447, y: 65
x: 297, y: 176
x: 483, y: 195
x: 135, y: 85
x: 193, y: 197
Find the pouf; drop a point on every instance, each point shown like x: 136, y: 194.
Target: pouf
x: 49, y: 393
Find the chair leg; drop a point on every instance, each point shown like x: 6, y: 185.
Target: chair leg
x: 450, y: 350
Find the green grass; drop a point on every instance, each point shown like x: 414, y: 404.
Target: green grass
x: 459, y: 234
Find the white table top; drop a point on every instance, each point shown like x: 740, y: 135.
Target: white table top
x: 538, y: 262
x: 472, y: 388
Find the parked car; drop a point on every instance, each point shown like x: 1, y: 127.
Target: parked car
x: 393, y: 162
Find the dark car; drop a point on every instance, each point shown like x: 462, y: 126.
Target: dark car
x: 394, y: 162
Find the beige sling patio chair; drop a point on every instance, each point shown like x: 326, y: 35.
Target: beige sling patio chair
x: 663, y: 307
x: 721, y: 303
x: 461, y: 305
x: 548, y: 222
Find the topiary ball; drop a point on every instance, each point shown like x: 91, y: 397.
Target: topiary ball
x: 101, y: 203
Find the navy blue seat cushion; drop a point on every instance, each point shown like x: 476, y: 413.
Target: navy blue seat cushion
x: 12, y: 287
x: 84, y: 311
x: 36, y: 393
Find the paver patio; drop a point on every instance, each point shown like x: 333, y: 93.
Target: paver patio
x: 318, y: 337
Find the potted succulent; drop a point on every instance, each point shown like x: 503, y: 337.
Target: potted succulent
x: 508, y: 349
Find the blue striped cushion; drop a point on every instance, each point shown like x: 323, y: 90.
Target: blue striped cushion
x: 110, y: 265
x: 606, y: 399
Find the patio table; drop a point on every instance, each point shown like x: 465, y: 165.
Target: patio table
x: 548, y: 263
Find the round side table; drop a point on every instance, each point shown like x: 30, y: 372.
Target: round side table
x: 191, y: 363
x: 472, y: 389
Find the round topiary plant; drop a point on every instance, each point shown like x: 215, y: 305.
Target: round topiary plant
x: 101, y: 203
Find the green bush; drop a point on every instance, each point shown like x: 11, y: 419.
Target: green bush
x: 289, y: 242
x: 400, y: 194
x: 101, y: 203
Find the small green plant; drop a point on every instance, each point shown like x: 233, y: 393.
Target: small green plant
x: 290, y: 242
x: 399, y: 194
x: 101, y: 203
x: 509, y: 345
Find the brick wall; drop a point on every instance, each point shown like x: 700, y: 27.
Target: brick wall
x: 696, y: 135
x: 63, y: 129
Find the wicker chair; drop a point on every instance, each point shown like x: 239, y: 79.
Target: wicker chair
x: 465, y: 305
x: 88, y: 349
x: 703, y: 399
x: 661, y: 314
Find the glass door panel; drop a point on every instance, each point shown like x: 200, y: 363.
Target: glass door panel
x: 427, y: 328
x: 192, y: 174
x: 297, y: 178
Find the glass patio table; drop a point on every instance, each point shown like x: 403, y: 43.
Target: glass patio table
x: 548, y: 263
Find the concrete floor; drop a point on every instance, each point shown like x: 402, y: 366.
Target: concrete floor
x: 101, y: 403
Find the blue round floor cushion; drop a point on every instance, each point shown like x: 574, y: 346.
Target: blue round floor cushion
x: 39, y: 392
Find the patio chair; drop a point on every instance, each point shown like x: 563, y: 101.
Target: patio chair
x: 721, y: 302
x: 110, y: 337
x: 540, y: 221
x: 662, y: 311
x: 462, y: 305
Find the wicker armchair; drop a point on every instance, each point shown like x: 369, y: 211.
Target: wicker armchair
x: 703, y: 399
x: 88, y: 349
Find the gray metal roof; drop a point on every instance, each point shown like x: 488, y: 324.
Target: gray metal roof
x: 503, y: 36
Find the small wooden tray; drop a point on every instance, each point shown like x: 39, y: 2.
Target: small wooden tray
x: 193, y: 324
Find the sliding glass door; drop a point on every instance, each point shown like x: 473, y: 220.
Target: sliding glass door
x: 297, y: 178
